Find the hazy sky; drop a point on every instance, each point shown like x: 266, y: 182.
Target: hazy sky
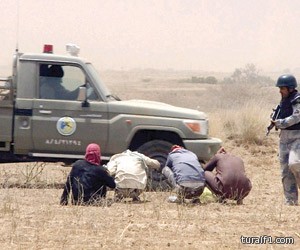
x: 214, y: 35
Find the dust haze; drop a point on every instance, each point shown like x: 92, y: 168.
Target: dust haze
x: 206, y: 35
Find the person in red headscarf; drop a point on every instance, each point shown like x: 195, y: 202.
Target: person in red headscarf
x: 93, y: 154
x: 88, y: 181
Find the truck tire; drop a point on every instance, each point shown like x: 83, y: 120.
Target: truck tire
x: 159, y: 150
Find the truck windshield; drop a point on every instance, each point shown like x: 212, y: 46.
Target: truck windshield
x: 96, y: 80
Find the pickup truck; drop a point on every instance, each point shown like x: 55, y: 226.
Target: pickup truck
x: 53, y: 106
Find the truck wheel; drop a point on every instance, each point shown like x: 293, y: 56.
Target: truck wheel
x: 159, y: 150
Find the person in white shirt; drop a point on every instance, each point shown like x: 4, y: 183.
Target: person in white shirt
x: 130, y: 172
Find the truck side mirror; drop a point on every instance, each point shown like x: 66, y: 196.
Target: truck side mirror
x: 82, y: 96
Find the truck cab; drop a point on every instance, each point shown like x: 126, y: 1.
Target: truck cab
x: 53, y: 106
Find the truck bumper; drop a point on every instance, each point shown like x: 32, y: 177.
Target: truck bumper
x: 204, y: 149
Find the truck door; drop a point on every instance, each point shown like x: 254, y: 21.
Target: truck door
x: 61, y: 125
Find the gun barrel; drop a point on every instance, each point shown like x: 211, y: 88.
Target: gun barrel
x: 269, y: 128
x: 274, y: 116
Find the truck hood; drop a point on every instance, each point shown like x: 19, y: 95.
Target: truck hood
x: 152, y: 108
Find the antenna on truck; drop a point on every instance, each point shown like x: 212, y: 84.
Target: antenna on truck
x: 16, y: 54
x: 17, y: 30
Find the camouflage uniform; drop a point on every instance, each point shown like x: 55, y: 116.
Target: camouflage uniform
x: 289, y: 153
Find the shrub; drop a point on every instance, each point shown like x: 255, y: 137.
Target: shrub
x: 248, y: 75
x: 211, y: 80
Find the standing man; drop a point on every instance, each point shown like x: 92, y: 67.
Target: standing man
x: 86, y: 184
x: 229, y: 181
x: 289, y: 145
x: 185, y: 174
x: 130, y: 172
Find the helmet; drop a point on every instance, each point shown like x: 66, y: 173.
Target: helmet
x: 287, y: 81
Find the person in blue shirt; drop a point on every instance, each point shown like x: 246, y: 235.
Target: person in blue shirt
x: 184, y: 174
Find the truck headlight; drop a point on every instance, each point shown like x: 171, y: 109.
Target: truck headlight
x: 200, y: 127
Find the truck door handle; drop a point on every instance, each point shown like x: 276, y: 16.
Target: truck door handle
x: 47, y: 112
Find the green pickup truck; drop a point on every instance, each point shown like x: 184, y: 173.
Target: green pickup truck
x: 53, y: 106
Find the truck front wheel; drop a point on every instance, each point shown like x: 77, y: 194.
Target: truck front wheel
x: 159, y: 150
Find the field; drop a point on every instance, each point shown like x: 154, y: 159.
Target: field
x: 32, y: 218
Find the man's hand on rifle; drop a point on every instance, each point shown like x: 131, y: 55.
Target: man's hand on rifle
x: 274, y: 117
x: 272, y: 125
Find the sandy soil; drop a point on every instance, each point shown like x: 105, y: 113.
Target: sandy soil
x: 32, y: 218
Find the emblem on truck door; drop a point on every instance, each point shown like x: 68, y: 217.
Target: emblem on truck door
x: 66, y: 126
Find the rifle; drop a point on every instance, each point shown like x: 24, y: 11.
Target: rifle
x: 273, y: 117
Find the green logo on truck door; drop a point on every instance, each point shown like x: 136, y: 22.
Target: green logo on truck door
x: 66, y: 126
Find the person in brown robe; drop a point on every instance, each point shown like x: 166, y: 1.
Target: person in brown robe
x: 229, y: 180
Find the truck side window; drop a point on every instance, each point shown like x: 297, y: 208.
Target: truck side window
x: 61, y: 82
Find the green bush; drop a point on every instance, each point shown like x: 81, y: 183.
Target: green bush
x: 248, y: 75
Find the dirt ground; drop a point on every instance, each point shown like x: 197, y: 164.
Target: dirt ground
x: 32, y: 218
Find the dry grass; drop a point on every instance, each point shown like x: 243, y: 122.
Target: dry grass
x: 32, y: 218
x: 244, y: 125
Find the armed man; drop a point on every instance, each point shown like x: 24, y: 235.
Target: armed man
x: 288, y: 121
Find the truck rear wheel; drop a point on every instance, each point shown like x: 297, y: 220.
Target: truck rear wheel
x: 159, y: 150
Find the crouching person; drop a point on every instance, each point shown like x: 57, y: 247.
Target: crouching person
x: 86, y: 184
x: 130, y: 172
x: 229, y: 180
x: 184, y: 174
